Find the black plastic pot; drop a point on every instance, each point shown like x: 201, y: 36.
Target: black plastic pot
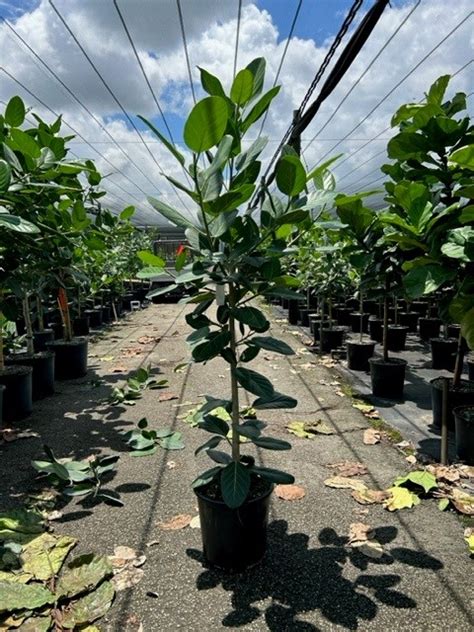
x: 18, y: 395
x: 387, y: 377
x: 370, y: 307
x: 396, y: 337
x: 126, y: 298
x: 421, y: 307
x: 304, y: 316
x: 95, y: 317
x: 233, y: 539
x: 355, y: 322
x: 331, y: 339
x: 58, y: 330
x: 2, y: 388
x: 358, y: 354
x: 315, y: 323
x: 410, y: 320
x: 464, y: 426
x: 443, y: 353
x: 293, y: 311
x: 470, y: 368
x: 376, y: 328
x: 80, y: 326
x: 453, y: 331
x: 343, y: 316
x: 433, y: 312
x: 42, y: 364
x: 41, y: 338
x: 71, y: 358
x: 429, y: 328
x: 461, y: 396
x: 353, y: 303
x: 106, y: 314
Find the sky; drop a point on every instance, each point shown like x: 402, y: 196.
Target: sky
x: 354, y: 120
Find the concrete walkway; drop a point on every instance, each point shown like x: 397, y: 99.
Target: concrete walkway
x: 310, y: 579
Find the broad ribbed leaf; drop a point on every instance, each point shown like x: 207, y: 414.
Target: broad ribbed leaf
x: 5, y: 175
x: 171, y: 148
x: 171, y: 214
x: 271, y: 344
x: 275, y: 476
x: 211, y: 84
x: 464, y: 157
x: 25, y: 143
x: 150, y: 259
x: 235, y: 484
x: 269, y: 443
x: 17, y: 224
x: 242, y: 87
x: 83, y: 573
x: 254, y: 382
x: 277, y: 400
x: 16, y: 596
x: 290, y: 175
x: 210, y: 444
x: 162, y: 290
x: 15, y: 112
x: 215, y: 425
x: 219, y: 457
x: 222, y: 223
x: 212, y: 347
x: 206, y: 124
x: 248, y: 157
x: 252, y: 317
x: 206, y: 477
x: 259, y: 108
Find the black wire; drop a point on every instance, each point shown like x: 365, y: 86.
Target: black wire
x: 186, y: 54
x: 237, y: 35
x: 285, y: 50
x: 356, y: 83
x: 398, y: 84
x: 76, y: 98
x: 145, y: 76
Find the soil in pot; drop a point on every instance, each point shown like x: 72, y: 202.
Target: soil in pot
x: 95, y: 317
x: 42, y: 364
x: 462, y: 395
x: 429, y: 328
x: 396, y: 337
x: 80, y: 326
x: 388, y: 377
x: 464, y: 426
x: 18, y: 395
x: 443, y: 353
x: 331, y: 338
x: 358, y: 354
x: 355, y: 322
x: 343, y: 316
x: 41, y: 338
x: 71, y: 358
x: 410, y: 320
x: 234, y: 539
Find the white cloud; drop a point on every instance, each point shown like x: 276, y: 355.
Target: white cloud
x: 210, y: 28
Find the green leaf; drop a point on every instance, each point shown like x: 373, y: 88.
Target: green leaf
x: 242, y: 87
x: 149, y: 273
x: 271, y: 344
x: 15, y: 112
x: 52, y: 468
x: 269, y: 443
x: 43, y: 556
x: 252, y: 317
x: 91, y: 607
x: 443, y: 504
x: 172, y: 442
x: 16, y: 596
x: 161, y: 290
x: 401, y: 498
x: 171, y: 214
x: 82, y: 574
x: 407, y: 145
x: 17, y: 525
x: 423, y: 478
x: 150, y: 259
x: 257, y: 68
x: 222, y: 223
x: 438, y: 89
x: 220, y: 158
x: 5, y: 175
x: 171, y: 148
x: 249, y: 354
x: 259, y: 108
x: 274, y: 476
x: 127, y: 213
x: 254, y: 382
x: 211, y: 84
x: 427, y: 279
x: 320, y: 169
x: 206, y: 477
x: 206, y: 124
x: 215, y: 425
x: 249, y: 156
x: 235, y: 484
x: 290, y: 175
x: 277, y: 400
x: 25, y: 143
x: 467, y: 328
x: 210, y: 444
x: 464, y: 157
x: 219, y: 457
x: 18, y: 224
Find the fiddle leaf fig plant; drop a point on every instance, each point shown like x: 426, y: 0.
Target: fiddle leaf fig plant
x: 235, y: 260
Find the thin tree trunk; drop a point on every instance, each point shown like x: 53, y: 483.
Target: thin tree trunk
x: 40, y: 311
x: 233, y: 380
x: 30, y: 349
x: 385, y: 321
x: 361, y: 308
x: 321, y: 325
x: 459, y: 362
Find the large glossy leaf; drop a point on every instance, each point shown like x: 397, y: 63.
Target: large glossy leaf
x: 18, y: 224
x: 214, y: 424
x: 257, y: 68
x: 269, y: 443
x: 438, y: 89
x: 15, y: 112
x: 276, y: 400
x: 274, y: 476
x: 464, y: 157
x: 242, y: 87
x: 170, y: 213
x: 150, y: 259
x: 211, y: 84
x: 246, y: 158
x: 171, y: 148
x: 271, y: 344
x: 407, y: 145
x: 206, y: 124
x: 16, y: 596
x: 211, y: 347
x: 222, y: 223
x: 290, y: 175
x: 254, y: 382
x: 426, y: 279
x: 25, y: 143
x: 259, y: 108
x: 235, y: 484
x: 252, y: 317
x: 5, y: 175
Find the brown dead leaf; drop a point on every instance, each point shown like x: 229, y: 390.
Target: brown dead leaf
x: 361, y: 538
x: 146, y: 340
x: 466, y: 471
x: 463, y: 501
x: 153, y: 543
x: 359, y: 532
x: 290, y: 492
x: 347, y: 468
x: 177, y: 522
x: 125, y: 562
x: 13, y: 434
x: 131, y: 352
x: 166, y: 397
x: 371, y: 436
x: 127, y: 578
x: 342, y: 482
x: 445, y: 473
x: 411, y: 458
x: 369, y: 496
x: 171, y: 465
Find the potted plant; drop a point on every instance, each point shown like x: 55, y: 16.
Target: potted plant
x: 236, y: 258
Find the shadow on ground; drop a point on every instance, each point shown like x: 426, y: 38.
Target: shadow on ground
x: 300, y: 580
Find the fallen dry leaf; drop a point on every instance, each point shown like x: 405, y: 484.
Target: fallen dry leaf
x: 359, y: 532
x: 130, y: 352
x: 339, y: 392
x: 107, y: 358
x: 411, y: 458
x: 342, y: 482
x: 466, y: 471
x: 195, y: 523
x: 145, y: 340
x: 369, y: 496
x: 153, y: 543
x: 445, y: 473
x: 347, y: 468
x: 13, y: 434
x: 125, y: 562
x: 171, y: 465
x: 127, y: 578
x: 166, y: 397
x: 463, y: 501
x: 371, y: 436
x: 177, y: 522
x: 290, y: 492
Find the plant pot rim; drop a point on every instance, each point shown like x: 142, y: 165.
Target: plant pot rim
x: 39, y: 355
x: 221, y: 503
x: 446, y: 340
x: 75, y: 342
x: 335, y: 328
x: 398, y: 327
x: 434, y: 382
x: 431, y: 318
x: 459, y: 411
x: 364, y: 343
x: 19, y: 369
x: 46, y: 330
x: 390, y: 361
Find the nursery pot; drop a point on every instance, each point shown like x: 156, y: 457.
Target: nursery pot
x: 58, y: 330
x: 387, y: 377
x: 409, y: 319
x: 453, y: 331
x: 71, y: 358
x: 106, y: 314
x: 315, y: 323
x: 42, y: 364
x: 464, y: 425
x: 433, y: 311
x: 396, y: 337
x: 2, y: 388
x: 80, y: 326
x: 304, y: 316
x: 331, y: 338
x: 233, y: 539
x: 463, y: 395
x: 343, y: 316
x: 18, y: 395
x: 293, y: 305
x: 376, y: 328
x: 358, y: 354
x: 126, y: 298
x: 353, y: 303
x: 371, y: 307
x: 470, y: 368
x: 355, y: 322
x: 421, y: 307
x: 429, y: 328
x: 95, y: 317
x: 443, y: 353
x: 41, y: 338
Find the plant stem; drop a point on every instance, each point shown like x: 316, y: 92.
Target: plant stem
x: 233, y: 379
x: 361, y: 308
x: 28, y: 326
x: 459, y: 362
x: 321, y: 324
x: 2, y: 358
x: 385, y: 320
x: 39, y: 309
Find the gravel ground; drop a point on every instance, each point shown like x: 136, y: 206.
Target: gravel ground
x: 310, y: 579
